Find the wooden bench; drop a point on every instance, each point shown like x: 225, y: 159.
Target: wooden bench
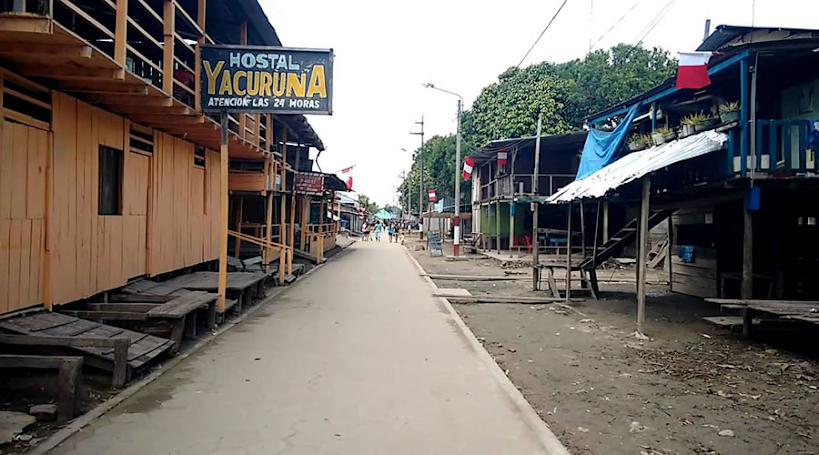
x: 588, y: 278
x: 179, y: 309
x: 143, y: 349
x: 118, y: 345
x: 68, y: 379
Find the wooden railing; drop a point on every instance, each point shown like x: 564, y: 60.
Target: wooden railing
x: 509, y: 186
x: 782, y: 146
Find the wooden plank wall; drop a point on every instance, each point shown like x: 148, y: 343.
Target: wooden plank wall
x: 23, y: 163
x: 697, y: 278
x: 185, y: 206
x: 91, y: 253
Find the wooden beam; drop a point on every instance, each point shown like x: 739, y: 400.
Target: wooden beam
x: 168, y: 119
x: 121, y: 31
x: 642, y: 254
x: 102, y: 87
x: 70, y: 72
x: 292, y: 234
x: 223, y: 221
x: 568, y: 251
x: 237, y: 245
x: 747, y: 284
x: 169, y: 19
x: 120, y: 100
x: 25, y: 24
x: 141, y: 109
x: 62, y: 50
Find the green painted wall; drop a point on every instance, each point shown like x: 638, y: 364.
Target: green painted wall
x: 488, y: 218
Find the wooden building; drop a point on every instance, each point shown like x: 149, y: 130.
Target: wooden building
x: 502, y: 193
x: 109, y: 170
x: 742, y: 212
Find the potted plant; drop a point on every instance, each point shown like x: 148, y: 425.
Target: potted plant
x: 638, y: 141
x: 662, y: 135
x: 689, y: 122
x: 729, y: 112
x: 707, y: 124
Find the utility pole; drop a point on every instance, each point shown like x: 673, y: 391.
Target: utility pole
x: 456, y: 242
x: 456, y: 221
x: 536, y: 214
x: 420, y: 178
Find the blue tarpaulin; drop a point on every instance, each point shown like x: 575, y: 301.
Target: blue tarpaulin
x: 601, y: 146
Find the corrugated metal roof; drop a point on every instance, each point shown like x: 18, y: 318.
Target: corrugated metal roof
x: 638, y: 164
x: 490, y: 150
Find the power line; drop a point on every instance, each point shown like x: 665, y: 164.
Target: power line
x: 615, y: 25
x: 654, y: 22
x: 544, y: 31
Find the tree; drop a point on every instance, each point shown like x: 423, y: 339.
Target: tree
x: 439, y: 171
x: 607, y: 77
x: 368, y: 205
x: 562, y: 93
x: 510, y: 107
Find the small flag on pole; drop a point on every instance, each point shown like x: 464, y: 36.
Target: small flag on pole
x: 432, y: 196
x: 692, y: 71
x: 469, y: 164
x: 347, y: 176
x: 502, y: 156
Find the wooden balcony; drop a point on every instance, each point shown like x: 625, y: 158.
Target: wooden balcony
x: 509, y: 186
x: 136, y: 58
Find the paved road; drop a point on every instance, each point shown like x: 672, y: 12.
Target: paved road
x: 357, y: 358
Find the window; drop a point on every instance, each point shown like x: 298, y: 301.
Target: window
x: 199, y: 156
x: 110, y: 181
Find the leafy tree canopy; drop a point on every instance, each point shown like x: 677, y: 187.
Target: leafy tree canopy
x: 564, y: 93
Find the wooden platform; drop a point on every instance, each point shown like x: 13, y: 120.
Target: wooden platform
x: 142, y: 350
x: 770, y: 310
x: 198, y: 281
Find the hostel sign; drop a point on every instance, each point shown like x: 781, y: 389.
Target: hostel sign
x: 277, y: 80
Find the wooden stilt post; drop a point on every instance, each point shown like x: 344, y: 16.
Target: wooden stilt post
x: 283, y: 254
x: 320, y: 243
x: 605, y: 222
x: 292, y: 235
x: 497, y: 225
x: 583, y: 228
x: 223, y: 213
x: 569, y: 253
x: 237, y: 242
x: 511, y: 227
x: 593, y: 270
x: 269, y: 210
x: 305, y: 221
x: 536, y: 210
x: 747, y: 285
x: 642, y: 254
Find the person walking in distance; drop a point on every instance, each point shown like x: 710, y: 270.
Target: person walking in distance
x: 378, y: 228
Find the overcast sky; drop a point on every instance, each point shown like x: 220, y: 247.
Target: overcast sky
x: 385, y: 50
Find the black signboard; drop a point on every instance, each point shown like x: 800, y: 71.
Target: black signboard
x: 275, y: 80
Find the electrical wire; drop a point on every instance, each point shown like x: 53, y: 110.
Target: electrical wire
x: 653, y: 23
x: 543, y: 32
x: 615, y: 25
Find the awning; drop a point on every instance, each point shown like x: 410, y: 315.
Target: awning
x: 638, y: 164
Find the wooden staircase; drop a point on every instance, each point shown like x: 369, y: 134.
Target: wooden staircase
x: 623, y: 237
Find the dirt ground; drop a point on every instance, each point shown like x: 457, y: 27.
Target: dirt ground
x: 693, y: 388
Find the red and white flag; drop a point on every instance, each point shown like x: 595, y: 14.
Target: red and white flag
x: 432, y: 196
x: 502, y: 156
x: 693, y: 70
x: 469, y: 164
x: 347, y: 176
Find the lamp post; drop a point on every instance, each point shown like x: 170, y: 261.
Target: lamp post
x: 456, y: 242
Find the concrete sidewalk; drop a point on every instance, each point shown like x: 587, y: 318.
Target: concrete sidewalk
x: 358, y: 358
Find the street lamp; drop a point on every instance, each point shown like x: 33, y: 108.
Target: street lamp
x: 457, y: 219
